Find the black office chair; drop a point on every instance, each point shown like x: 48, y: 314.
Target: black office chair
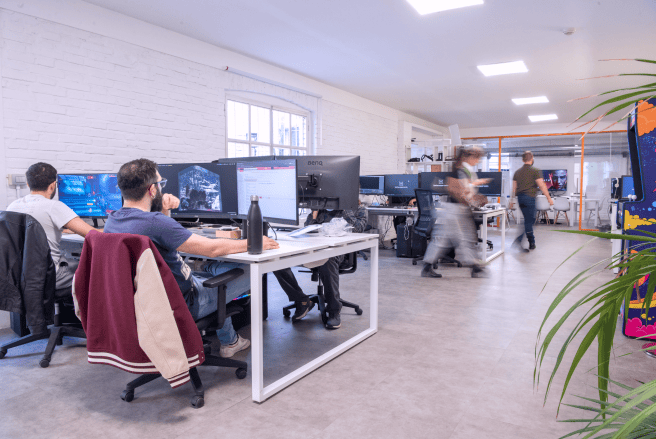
x: 478, y: 223
x: 349, y: 265
x: 209, y: 323
x: 65, y: 322
x: 363, y: 253
x: 425, y: 223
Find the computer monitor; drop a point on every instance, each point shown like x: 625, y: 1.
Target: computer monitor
x: 274, y: 182
x: 328, y: 181
x: 627, y: 187
x: 555, y: 179
x: 435, y: 182
x: 246, y: 159
x: 90, y: 195
x: 614, y: 188
x: 372, y: 184
x: 205, y: 190
x: 401, y: 185
x: 493, y: 188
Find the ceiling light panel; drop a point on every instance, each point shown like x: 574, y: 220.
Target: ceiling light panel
x: 543, y: 117
x: 534, y: 100
x: 503, y: 68
x: 429, y: 6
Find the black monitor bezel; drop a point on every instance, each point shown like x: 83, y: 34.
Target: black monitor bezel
x: 416, y: 176
x: 500, y: 183
x: 269, y: 218
x: 88, y: 173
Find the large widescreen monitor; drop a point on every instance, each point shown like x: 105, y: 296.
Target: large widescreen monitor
x: 205, y: 190
x: 274, y: 182
x: 555, y: 179
x: 401, y: 185
x: 328, y: 181
x: 372, y: 184
x: 89, y: 195
x: 434, y: 181
x: 493, y: 188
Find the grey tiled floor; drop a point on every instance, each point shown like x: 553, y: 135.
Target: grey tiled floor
x: 453, y: 359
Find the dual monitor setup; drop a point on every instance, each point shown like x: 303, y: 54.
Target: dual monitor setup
x: 404, y: 185
x: 222, y: 189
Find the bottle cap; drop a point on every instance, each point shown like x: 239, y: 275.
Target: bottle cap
x: 255, y: 198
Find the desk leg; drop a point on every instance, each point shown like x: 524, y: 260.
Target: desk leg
x: 484, y: 238
x: 572, y: 213
x: 257, y: 334
x: 503, y: 233
x: 373, y: 289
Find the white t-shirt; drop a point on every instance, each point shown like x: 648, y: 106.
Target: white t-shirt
x: 53, y: 215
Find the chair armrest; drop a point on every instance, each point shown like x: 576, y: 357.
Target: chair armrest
x: 223, y: 278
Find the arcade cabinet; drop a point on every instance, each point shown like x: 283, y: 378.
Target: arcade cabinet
x: 637, y: 211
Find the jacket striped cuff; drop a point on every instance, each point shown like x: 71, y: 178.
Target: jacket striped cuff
x: 178, y: 380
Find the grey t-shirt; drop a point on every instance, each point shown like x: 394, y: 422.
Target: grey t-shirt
x: 53, y: 215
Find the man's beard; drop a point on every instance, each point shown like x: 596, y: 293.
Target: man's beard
x: 156, y: 205
x: 53, y: 194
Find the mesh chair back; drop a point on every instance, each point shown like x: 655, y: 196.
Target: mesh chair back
x: 424, y: 223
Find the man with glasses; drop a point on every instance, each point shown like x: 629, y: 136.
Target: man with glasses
x: 53, y: 215
x: 146, y: 211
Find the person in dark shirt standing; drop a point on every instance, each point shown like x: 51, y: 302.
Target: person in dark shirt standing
x: 526, y: 182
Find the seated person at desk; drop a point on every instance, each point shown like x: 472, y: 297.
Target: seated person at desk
x: 146, y: 212
x: 329, y: 271
x: 53, y: 215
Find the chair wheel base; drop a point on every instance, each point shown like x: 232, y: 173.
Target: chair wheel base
x: 44, y: 363
x: 197, y: 401
x: 241, y: 373
x: 358, y: 311
x: 286, y: 313
x: 414, y: 262
x: 2, y: 353
x: 127, y: 395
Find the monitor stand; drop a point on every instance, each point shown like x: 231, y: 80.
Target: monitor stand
x: 244, y: 233
x: 95, y: 223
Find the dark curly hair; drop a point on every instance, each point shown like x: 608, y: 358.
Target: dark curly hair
x: 40, y: 176
x: 135, y: 177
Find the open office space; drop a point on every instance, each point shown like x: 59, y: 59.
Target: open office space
x: 335, y: 219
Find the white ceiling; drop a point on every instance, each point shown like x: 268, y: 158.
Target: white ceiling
x: 385, y: 51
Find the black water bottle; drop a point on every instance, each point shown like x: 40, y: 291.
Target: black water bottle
x: 254, y: 228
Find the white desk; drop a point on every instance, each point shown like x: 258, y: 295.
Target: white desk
x: 485, y: 215
x: 393, y: 211
x: 293, y: 252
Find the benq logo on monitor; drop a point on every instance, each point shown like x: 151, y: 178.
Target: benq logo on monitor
x: 315, y: 163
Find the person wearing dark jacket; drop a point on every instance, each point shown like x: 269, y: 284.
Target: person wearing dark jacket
x: 329, y: 271
x: 27, y: 276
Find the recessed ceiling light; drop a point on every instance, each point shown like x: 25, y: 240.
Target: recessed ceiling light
x: 542, y: 117
x: 429, y: 6
x: 503, y: 68
x: 535, y: 100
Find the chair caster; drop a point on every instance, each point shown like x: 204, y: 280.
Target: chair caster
x: 287, y: 313
x: 128, y: 395
x: 44, y: 363
x: 241, y: 373
x: 414, y: 262
x: 459, y: 265
x: 197, y: 401
x: 358, y: 311
x: 3, y: 352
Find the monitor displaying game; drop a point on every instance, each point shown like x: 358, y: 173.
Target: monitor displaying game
x: 555, y: 179
x: 205, y: 190
x: 90, y: 195
x: 627, y: 187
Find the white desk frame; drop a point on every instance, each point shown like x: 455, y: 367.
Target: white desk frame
x: 486, y: 214
x: 317, y: 248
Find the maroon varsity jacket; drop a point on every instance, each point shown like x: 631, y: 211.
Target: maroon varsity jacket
x: 132, y: 309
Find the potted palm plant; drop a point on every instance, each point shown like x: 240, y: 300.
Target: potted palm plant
x: 630, y: 413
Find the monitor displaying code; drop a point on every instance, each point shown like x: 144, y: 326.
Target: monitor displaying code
x: 274, y: 182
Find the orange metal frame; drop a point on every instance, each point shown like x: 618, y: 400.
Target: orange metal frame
x: 582, y: 134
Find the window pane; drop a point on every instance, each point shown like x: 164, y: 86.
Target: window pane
x: 237, y: 120
x: 280, y: 151
x: 258, y: 150
x: 280, y: 128
x: 237, y: 149
x: 299, y: 152
x: 298, y: 130
x: 260, y: 124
